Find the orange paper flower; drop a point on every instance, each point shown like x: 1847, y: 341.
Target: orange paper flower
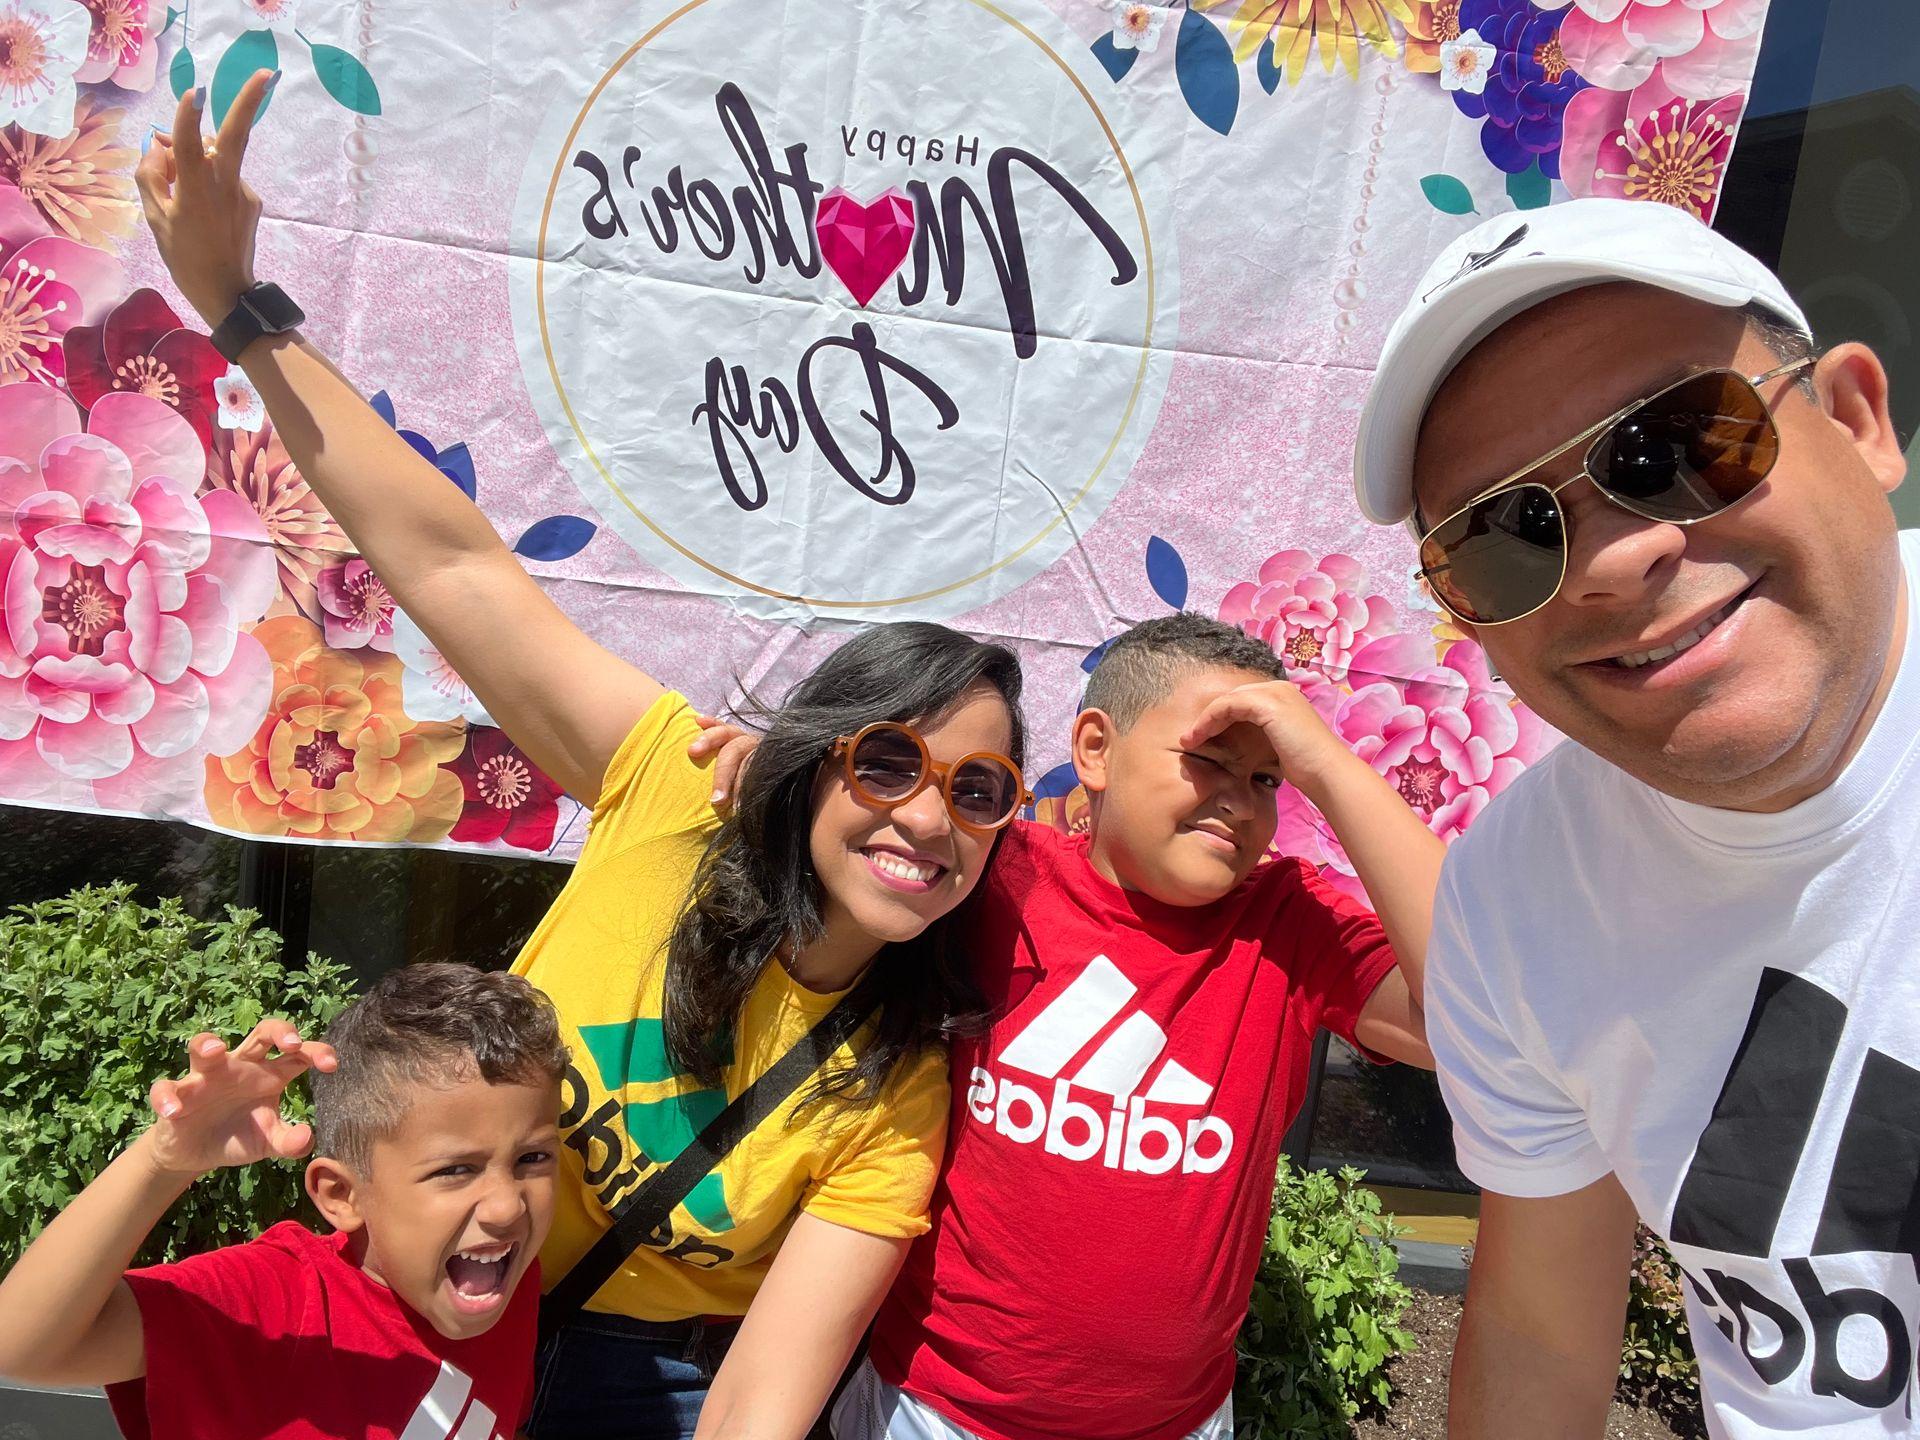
x: 1432, y: 24
x: 337, y: 758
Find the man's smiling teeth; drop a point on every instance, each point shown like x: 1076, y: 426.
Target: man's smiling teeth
x: 1685, y: 642
x: 900, y: 867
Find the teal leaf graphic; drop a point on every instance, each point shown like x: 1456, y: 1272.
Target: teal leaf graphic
x: 251, y: 50
x: 1529, y: 189
x: 346, y: 79
x: 1443, y: 192
x: 180, y: 72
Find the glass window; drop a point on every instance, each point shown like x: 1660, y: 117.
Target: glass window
x: 50, y: 852
x: 1824, y: 184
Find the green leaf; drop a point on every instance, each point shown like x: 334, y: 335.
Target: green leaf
x: 180, y: 72
x: 173, y: 17
x: 346, y: 79
x: 251, y: 50
x: 1529, y: 189
x: 1447, y: 194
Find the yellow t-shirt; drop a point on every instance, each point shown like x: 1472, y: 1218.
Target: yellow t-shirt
x: 600, y: 954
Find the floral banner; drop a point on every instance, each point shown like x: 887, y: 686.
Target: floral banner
x: 747, y: 321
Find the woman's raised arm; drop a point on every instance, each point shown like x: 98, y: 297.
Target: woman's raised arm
x: 564, y: 699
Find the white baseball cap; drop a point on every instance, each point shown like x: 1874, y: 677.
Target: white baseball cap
x: 1512, y: 263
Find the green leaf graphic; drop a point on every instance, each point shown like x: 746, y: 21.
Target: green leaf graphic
x: 1529, y: 189
x: 346, y: 79
x: 252, y: 50
x: 1443, y: 192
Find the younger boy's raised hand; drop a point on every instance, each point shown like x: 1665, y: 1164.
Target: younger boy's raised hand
x: 226, y: 1109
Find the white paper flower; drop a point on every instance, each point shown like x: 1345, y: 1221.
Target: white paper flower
x: 271, y: 14
x: 1137, y: 27
x: 241, y: 407
x: 42, y: 44
x: 1465, y: 63
x: 429, y: 688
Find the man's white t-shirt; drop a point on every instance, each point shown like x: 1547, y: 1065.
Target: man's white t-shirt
x: 1723, y: 1010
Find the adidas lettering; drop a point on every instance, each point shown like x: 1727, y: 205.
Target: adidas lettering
x: 1118, y: 1136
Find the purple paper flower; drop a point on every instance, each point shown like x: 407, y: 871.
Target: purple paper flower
x: 1528, y: 85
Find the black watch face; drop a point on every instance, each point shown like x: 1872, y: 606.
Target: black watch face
x: 274, y: 308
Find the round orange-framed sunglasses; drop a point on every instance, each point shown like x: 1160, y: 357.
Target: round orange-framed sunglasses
x: 887, y: 764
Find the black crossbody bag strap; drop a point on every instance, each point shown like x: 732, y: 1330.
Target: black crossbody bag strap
x: 638, y: 1217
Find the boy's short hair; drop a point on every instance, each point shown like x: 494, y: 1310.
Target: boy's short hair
x: 431, y: 1025
x: 1141, y: 667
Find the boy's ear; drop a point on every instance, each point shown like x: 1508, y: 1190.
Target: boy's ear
x: 335, y: 1192
x: 1093, y: 735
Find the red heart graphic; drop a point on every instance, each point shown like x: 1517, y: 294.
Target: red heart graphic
x: 864, y: 243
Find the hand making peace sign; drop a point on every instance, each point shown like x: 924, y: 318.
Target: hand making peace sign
x: 203, y: 215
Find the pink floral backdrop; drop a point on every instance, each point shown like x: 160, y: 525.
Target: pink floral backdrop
x: 185, y: 632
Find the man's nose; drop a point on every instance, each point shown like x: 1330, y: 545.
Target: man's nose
x: 1612, y: 554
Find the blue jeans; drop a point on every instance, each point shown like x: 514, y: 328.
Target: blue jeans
x: 606, y: 1377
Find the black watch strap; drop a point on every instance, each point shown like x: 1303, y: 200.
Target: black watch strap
x: 264, y: 309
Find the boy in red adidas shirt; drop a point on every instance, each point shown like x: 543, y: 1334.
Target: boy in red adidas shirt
x: 1155, y: 987
x: 435, y: 1109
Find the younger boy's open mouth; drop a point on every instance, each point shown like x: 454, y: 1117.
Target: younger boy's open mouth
x: 479, y: 1276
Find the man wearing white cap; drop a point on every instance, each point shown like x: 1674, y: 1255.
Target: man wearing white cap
x: 1675, y: 969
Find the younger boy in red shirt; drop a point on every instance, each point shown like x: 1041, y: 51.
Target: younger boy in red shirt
x: 435, y: 1108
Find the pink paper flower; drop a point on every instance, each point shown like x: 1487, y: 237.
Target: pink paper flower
x: 1440, y: 734
x: 43, y: 43
x: 1311, y: 613
x: 1707, y: 46
x: 48, y: 285
x: 1652, y: 144
x: 124, y: 45
x: 355, y: 607
x: 254, y: 465
x: 123, y: 598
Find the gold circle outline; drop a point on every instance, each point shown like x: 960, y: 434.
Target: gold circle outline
x: 817, y: 602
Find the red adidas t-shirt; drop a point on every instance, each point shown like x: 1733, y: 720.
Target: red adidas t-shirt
x: 284, y: 1338
x: 1113, y: 1145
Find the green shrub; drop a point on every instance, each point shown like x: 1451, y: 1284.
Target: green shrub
x: 1325, y: 1317
x: 1656, y: 1353
x: 98, y: 998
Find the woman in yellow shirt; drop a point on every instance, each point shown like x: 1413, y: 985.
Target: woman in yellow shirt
x: 686, y: 955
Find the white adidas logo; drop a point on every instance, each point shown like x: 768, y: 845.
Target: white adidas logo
x: 1126, y: 1137
x: 435, y: 1417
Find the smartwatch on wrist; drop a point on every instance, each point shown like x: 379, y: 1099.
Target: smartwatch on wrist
x: 265, y: 309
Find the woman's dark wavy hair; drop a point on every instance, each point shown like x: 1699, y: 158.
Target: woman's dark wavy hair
x: 755, y: 887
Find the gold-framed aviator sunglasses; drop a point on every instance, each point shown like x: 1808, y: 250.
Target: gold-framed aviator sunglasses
x: 1679, y: 456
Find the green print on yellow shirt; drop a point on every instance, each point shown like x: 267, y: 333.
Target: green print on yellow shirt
x: 636, y: 1054
x: 627, y: 1109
